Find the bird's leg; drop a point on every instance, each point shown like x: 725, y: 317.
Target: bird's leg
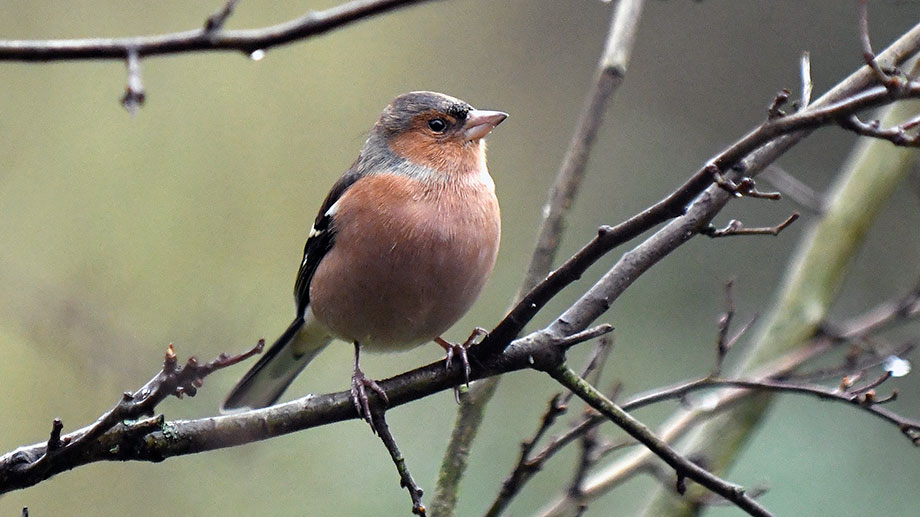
x: 359, y: 383
x: 460, y: 350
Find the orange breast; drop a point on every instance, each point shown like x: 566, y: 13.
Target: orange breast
x: 414, y: 265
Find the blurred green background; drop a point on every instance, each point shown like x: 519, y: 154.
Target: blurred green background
x: 186, y: 223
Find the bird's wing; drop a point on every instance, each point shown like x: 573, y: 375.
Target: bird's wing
x: 320, y: 240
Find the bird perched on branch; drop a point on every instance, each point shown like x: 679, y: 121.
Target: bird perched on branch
x: 400, y: 249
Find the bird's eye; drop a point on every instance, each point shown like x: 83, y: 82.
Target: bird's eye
x: 438, y: 125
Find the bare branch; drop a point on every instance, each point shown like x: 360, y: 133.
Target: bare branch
x: 246, y: 41
x: 735, y: 227
x: 405, y: 478
x: 862, y: 10
x: 528, y: 465
x: 27, y: 466
x: 901, y: 309
x: 897, y: 135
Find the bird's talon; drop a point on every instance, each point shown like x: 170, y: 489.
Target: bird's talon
x: 359, y: 385
x: 461, y: 351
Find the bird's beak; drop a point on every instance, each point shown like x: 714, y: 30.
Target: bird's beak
x: 480, y: 123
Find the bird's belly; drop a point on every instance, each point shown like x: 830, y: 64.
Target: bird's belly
x: 402, y: 288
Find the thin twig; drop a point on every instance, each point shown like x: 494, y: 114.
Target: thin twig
x: 897, y: 135
x: 528, y: 465
x: 216, y: 21
x: 725, y: 320
x: 736, y: 227
x: 862, y: 10
x: 901, y: 309
x: 405, y: 478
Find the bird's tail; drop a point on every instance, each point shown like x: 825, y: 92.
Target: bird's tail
x: 264, y: 383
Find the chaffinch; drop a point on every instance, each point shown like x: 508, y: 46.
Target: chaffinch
x: 400, y: 249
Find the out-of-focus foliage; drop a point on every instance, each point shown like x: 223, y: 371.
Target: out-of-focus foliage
x: 185, y: 224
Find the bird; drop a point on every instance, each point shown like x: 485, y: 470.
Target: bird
x: 399, y: 251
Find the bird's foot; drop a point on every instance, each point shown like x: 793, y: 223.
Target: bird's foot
x: 460, y: 350
x: 360, y: 383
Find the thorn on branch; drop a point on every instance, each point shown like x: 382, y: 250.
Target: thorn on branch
x: 216, y: 21
x: 736, y: 227
x: 134, y: 91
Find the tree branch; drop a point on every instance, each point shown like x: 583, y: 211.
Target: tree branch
x: 246, y: 41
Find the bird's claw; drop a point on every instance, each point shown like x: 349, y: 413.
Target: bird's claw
x: 359, y: 385
x: 460, y: 350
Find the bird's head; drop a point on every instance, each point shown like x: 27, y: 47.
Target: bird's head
x: 437, y: 131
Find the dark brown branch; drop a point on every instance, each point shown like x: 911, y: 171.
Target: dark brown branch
x: 115, y: 438
x: 246, y: 41
x: 526, y: 466
x: 532, y: 463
